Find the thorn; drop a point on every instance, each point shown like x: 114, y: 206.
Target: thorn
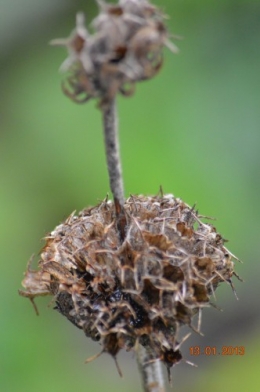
x: 238, y: 277
x: 31, y: 298
x: 213, y: 291
x: 232, y: 255
x: 182, y: 341
x: 59, y: 42
x: 34, y: 306
x: 199, y: 319
x: 196, y: 330
x: 93, y: 357
x: 118, y: 368
x: 160, y: 191
x: 215, y: 306
x: 190, y: 363
x: 171, y: 46
x: 233, y: 288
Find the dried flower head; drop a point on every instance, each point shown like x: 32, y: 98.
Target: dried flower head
x: 141, y: 290
x: 125, y: 48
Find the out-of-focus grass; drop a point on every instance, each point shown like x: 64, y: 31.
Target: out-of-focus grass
x: 194, y: 130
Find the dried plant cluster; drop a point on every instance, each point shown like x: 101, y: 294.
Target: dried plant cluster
x: 126, y: 47
x: 141, y: 290
x: 129, y: 273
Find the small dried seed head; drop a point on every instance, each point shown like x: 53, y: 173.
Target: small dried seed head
x: 141, y: 290
x: 125, y: 48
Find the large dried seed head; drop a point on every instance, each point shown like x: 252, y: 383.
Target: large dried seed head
x: 125, y: 48
x: 141, y: 290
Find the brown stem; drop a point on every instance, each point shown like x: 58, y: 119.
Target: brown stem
x: 110, y: 122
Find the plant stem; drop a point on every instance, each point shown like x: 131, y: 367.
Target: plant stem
x: 149, y: 366
x: 150, y: 370
x: 110, y: 122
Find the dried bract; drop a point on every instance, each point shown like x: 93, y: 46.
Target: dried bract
x: 125, y: 48
x: 141, y: 290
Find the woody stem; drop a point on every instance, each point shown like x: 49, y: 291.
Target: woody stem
x: 150, y: 370
x: 110, y: 123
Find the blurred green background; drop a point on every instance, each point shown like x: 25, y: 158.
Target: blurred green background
x: 194, y: 129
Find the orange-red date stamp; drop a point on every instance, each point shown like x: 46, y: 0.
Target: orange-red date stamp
x: 212, y: 350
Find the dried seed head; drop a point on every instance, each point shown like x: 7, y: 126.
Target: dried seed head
x: 141, y: 290
x: 125, y: 48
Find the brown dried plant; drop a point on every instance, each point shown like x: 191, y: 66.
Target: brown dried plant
x: 126, y: 48
x: 129, y: 273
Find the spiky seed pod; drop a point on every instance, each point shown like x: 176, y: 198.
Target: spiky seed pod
x: 125, y: 48
x: 141, y: 290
